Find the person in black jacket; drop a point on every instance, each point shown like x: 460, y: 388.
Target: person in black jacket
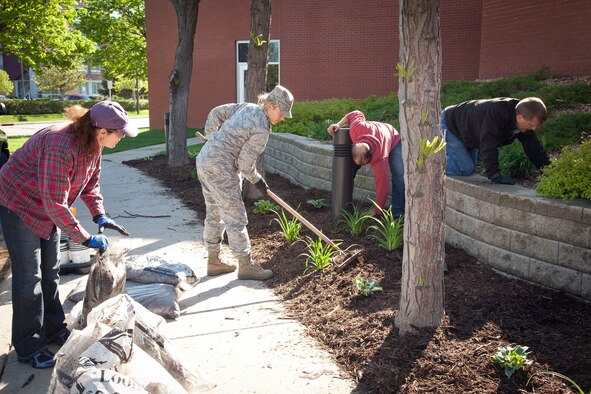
x: 487, y: 125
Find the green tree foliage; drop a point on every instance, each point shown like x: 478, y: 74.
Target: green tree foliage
x: 52, y: 78
x: 6, y: 86
x: 39, y: 32
x: 118, y: 29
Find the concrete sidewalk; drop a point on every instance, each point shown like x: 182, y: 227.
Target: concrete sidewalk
x: 235, y: 333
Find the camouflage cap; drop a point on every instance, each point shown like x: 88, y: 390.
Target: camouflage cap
x: 283, y: 98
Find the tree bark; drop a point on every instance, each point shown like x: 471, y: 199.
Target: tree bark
x: 187, y: 12
x: 256, y: 74
x: 422, y: 291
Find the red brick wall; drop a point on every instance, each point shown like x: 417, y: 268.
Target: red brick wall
x: 460, y: 39
x: 338, y: 48
x: 521, y: 36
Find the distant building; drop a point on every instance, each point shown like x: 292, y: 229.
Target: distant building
x: 26, y: 88
x: 346, y: 48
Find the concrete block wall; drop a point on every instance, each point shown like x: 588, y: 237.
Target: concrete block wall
x: 541, y: 240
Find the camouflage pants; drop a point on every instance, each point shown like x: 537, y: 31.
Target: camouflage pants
x: 224, y: 210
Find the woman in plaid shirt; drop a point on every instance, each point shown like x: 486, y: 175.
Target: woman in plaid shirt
x: 38, y: 185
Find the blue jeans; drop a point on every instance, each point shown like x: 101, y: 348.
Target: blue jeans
x: 459, y: 160
x: 397, y: 177
x: 37, y: 313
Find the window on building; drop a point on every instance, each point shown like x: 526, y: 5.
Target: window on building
x: 242, y: 66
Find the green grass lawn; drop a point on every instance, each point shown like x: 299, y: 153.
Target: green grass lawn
x: 146, y: 137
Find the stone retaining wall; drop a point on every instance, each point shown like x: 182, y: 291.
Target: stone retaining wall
x: 541, y: 240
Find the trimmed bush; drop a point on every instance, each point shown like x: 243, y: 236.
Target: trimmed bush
x: 569, y: 176
x: 52, y: 106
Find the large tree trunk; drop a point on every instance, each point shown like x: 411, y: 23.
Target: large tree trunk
x: 422, y: 291
x: 180, y: 81
x: 256, y: 75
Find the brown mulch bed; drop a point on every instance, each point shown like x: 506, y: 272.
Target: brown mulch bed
x: 483, y: 309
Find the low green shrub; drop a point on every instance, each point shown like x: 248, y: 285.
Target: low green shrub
x: 53, y: 106
x: 568, y: 176
x: 564, y: 130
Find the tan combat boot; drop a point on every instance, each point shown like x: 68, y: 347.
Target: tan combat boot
x: 215, y: 265
x: 247, y: 269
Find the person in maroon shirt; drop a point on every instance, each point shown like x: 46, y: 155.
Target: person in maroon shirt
x: 377, y: 144
x: 38, y: 184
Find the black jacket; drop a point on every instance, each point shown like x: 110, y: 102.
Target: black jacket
x: 490, y: 124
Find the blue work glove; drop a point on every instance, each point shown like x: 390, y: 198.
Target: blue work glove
x: 262, y: 187
x: 502, y: 179
x: 104, y: 221
x: 99, y: 242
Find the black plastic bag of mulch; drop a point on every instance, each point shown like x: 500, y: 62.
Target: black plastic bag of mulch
x: 106, y: 280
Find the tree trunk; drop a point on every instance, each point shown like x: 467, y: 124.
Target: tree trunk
x: 137, y: 95
x: 256, y: 75
x: 187, y: 12
x: 422, y: 291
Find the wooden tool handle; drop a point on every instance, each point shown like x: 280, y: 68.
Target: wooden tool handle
x: 302, y: 219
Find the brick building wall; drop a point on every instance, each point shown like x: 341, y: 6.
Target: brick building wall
x: 521, y: 36
x: 344, y: 48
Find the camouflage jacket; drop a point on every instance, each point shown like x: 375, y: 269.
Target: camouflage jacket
x: 237, y: 135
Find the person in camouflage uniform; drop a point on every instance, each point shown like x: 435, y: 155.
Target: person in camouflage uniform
x: 237, y: 135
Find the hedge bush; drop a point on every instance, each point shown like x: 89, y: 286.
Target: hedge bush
x: 53, y: 106
x: 568, y: 177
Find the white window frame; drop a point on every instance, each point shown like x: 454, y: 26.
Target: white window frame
x: 241, y: 68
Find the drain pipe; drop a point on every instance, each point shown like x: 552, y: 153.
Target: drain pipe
x: 342, y: 173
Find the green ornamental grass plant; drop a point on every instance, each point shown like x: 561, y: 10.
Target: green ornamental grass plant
x: 388, y: 230
x: 319, y: 256
x: 354, y: 219
x: 290, y: 228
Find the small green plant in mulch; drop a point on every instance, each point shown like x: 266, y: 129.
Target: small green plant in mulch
x: 513, y: 161
x: 568, y: 176
x: 290, y: 228
x: 559, y: 375
x: 366, y: 286
x: 264, y: 207
x: 317, y: 202
x: 354, y: 219
x: 510, y: 359
x: 319, y: 256
x: 388, y: 230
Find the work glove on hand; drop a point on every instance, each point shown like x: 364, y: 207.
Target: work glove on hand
x: 502, y: 179
x: 104, y: 221
x: 100, y: 242
x: 262, y: 187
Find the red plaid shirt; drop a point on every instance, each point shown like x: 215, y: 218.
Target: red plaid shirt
x: 42, y: 180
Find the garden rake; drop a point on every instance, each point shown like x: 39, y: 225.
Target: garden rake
x: 343, y: 257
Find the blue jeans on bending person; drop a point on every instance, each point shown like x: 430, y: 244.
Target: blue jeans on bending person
x: 397, y: 178
x: 37, y: 312
x: 459, y: 160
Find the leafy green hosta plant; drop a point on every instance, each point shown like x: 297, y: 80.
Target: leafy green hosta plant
x: 319, y: 256
x: 572, y: 382
x: 388, y: 230
x: 367, y: 286
x: 317, y: 203
x: 354, y: 220
x: 510, y: 359
x: 265, y: 206
x: 289, y: 227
